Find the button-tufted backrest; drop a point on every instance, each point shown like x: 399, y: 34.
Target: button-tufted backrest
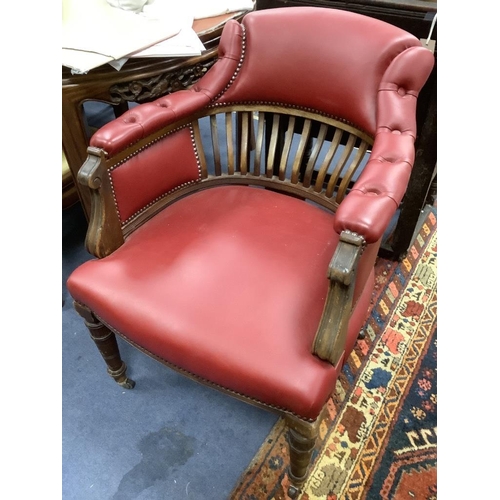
x: 349, y: 80
x: 324, y: 59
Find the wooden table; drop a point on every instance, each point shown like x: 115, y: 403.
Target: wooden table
x: 140, y: 80
x: 414, y: 16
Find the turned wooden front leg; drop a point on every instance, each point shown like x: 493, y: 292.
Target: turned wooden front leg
x: 105, y: 341
x: 301, y: 442
x: 301, y: 449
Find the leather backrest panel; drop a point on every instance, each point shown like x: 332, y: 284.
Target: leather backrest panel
x: 164, y: 166
x: 332, y: 66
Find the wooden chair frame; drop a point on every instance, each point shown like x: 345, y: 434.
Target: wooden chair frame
x: 262, y: 149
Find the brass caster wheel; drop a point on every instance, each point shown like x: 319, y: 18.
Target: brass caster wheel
x: 293, y: 492
x: 361, y: 334
x: 128, y: 384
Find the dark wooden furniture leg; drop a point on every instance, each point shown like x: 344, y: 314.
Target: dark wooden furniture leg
x: 105, y: 341
x: 301, y: 438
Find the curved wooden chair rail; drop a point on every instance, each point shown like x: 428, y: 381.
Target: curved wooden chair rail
x: 269, y: 146
x: 231, y: 129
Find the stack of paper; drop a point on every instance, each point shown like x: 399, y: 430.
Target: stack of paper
x: 97, y: 32
x: 185, y: 43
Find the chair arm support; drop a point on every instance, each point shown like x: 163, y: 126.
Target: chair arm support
x: 146, y: 119
x: 104, y: 233
x: 331, y: 335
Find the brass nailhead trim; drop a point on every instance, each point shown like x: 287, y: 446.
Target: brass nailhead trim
x: 238, y: 67
x: 180, y: 186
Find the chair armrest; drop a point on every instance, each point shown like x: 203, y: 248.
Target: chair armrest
x: 149, y: 151
x: 330, y: 338
x: 148, y: 118
x: 376, y: 195
x: 368, y: 209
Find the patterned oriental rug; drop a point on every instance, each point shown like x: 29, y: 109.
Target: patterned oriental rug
x: 379, y: 440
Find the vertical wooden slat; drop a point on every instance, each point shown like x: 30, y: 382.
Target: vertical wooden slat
x: 245, y: 141
x: 320, y: 179
x: 304, y: 139
x: 215, y: 144
x: 340, y: 165
x: 272, y: 145
x: 259, y: 142
x: 314, y: 155
x: 351, y: 170
x: 230, y: 143
x: 286, y: 148
x: 200, y: 149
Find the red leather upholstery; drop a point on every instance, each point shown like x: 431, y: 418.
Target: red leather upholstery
x: 359, y: 79
x: 188, y: 287
x: 162, y: 168
x: 150, y: 117
x: 278, y: 66
x: 229, y: 283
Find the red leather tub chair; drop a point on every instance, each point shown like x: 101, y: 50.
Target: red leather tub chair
x: 243, y: 257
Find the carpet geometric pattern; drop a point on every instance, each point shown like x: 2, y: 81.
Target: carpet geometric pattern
x: 379, y: 438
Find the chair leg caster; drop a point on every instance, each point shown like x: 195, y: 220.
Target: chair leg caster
x: 120, y: 376
x: 127, y: 384
x: 361, y: 335
x: 293, y: 492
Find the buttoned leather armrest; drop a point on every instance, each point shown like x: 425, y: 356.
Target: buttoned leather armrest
x: 142, y: 121
x: 376, y: 195
x: 368, y: 209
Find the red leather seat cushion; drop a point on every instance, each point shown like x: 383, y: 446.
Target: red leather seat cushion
x: 229, y: 284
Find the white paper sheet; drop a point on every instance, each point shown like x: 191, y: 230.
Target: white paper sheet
x: 185, y: 43
x: 93, y: 33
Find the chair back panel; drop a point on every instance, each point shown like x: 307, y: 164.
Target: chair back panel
x: 302, y: 154
x: 315, y: 157
x: 152, y: 171
x: 332, y: 67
